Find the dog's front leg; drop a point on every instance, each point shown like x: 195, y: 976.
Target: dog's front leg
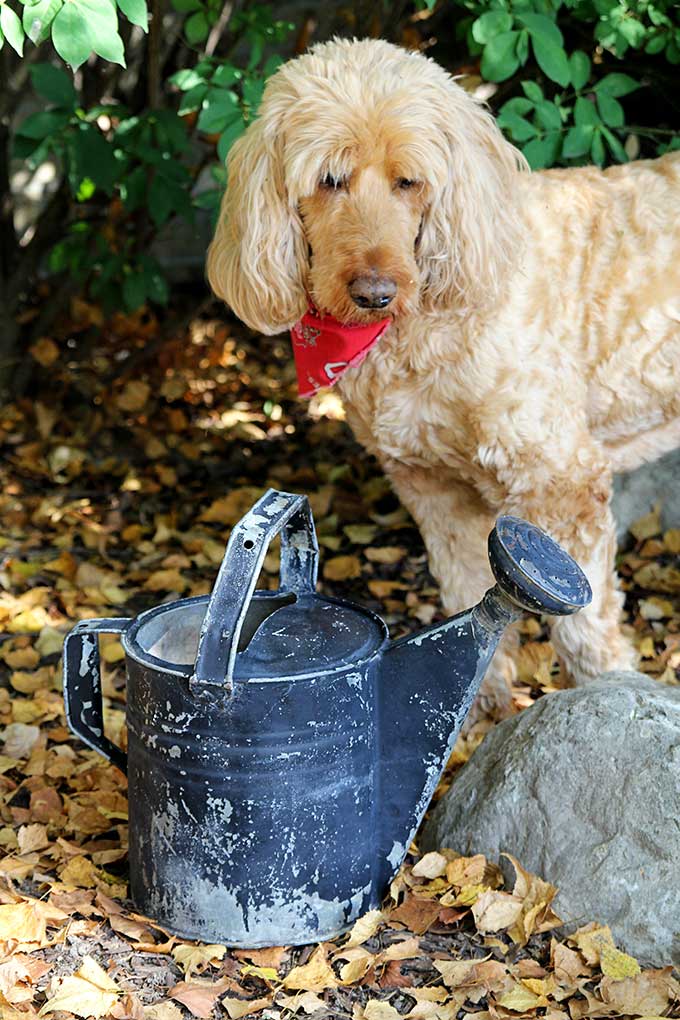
x: 571, y: 501
x: 455, y: 525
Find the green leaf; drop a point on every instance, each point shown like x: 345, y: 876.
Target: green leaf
x: 92, y: 156
x: 597, y: 149
x: 187, y: 79
x: 551, y: 59
x: 193, y: 99
x: 542, y: 152
x: 615, y: 145
x: 226, y: 75
x: 523, y: 47
x: 577, y: 141
x: 520, y: 129
x: 44, y: 123
x: 518, y: 105
x: 38, y: 17
x: 133, y: 189
x: 500, y: 59
x: 134, y: 290
x: 196, y: 28
x: 12, y: 28
x: 252, y: 94
x: 171, y: 130
x: 656, y: 43
x: 585, y: 113
x: 540, y: 26
x: 103, y: 27
x: 548, y: 115
x: 229, y: 136
x: 491, y: 24
x: 156, y: 285
x: 54, y: 84
x: 632, y: 30
x: 579, y: 68
x: 186, y: 6
x: 136, y: 12
x: 616, y: 84
x: 610, y: 109
x: 71, y: 35
x: 220, y: 108
x: 532, y: 91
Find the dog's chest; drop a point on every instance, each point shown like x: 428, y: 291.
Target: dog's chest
x: 406, y: 406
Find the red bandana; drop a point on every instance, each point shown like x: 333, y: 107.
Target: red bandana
x: 324, y: 348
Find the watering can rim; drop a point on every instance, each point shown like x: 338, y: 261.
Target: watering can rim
x: 134, y: 650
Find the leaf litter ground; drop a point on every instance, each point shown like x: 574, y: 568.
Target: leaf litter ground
x: 121, y: 479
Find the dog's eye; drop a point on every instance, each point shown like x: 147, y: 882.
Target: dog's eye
x: 331, y: 183
x: 404, y: 183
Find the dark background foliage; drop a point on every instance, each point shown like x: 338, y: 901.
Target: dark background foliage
x: 115, y: 122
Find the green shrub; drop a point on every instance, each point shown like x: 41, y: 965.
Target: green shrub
x: 131, y: 144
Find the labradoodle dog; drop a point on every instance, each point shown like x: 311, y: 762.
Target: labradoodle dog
x: 534, y: 342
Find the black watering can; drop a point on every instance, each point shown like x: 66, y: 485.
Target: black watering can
x: 282, y: 751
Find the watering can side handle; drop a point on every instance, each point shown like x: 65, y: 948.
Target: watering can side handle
x: 83, y: 687
x: 285, y: 512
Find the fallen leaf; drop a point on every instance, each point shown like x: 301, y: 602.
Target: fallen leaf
x: 496, y: 911
x: 388, y: 554
x: 134, y: 396
x: 648, y: 992
x: 415, y: 914
x: 193, y: 959
x: 364, y: 928
x: 20, y: 739
x: 314, y: 976
x: 89, y: 992
x: 597, y: 945
x: 237, y: 1008
x: 165, y: 1010
x: 342, y: 568
x: 431, y: 865
x: 376, y: 1009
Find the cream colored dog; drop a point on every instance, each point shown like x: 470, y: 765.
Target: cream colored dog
x: 535, y: 341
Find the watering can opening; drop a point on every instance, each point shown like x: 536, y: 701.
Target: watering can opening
x: 170, y: 633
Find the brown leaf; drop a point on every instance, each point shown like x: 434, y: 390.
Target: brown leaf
x: 415, y: 914
x: 199, y: 997
x: 385, y: 554
x: 650, y: 992
x: 133, y: 396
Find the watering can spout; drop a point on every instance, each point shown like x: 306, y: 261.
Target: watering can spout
x: 429, y: 680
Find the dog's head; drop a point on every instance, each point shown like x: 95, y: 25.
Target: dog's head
x: 371, y: 183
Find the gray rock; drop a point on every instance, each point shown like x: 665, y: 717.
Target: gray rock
x: 583, y: 788
x: 636, y: 492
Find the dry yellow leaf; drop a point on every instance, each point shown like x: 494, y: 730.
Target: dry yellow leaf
x: 32, y: 837
x: 166, y: 580
x: 496, y: 911
x: 431, y: 865
x: 407, y: 949
x: 237, y: 1008
x: 133, y: 396
x: 385, y: 554
x: 195, y: 958
x: 342, y: 568
x: 89, y: 992
x: 647, y: 526
x: 267, y: 974
x: 44, y: 351
x: 230, y: 509
x: 314, y: 976
x: 376, y: 1009
x: 520, y: 999
x: 22, y: 922
x: 648, y: 992
x: 671, y: 540
x: 357, y: 968
x: 163, y: 1011
x: 364, y: 929
x: 79, y: 872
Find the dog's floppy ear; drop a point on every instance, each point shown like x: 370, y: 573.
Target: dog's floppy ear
x: 258, y: 256
x: 470, y: 231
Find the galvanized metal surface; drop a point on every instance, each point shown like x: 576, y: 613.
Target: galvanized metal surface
x: 276, y: 782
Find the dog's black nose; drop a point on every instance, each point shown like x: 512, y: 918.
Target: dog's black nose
x: 372, y: 291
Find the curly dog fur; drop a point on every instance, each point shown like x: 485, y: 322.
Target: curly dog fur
x: 535, y: 341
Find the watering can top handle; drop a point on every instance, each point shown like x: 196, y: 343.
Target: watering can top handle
x: 275, y: 512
